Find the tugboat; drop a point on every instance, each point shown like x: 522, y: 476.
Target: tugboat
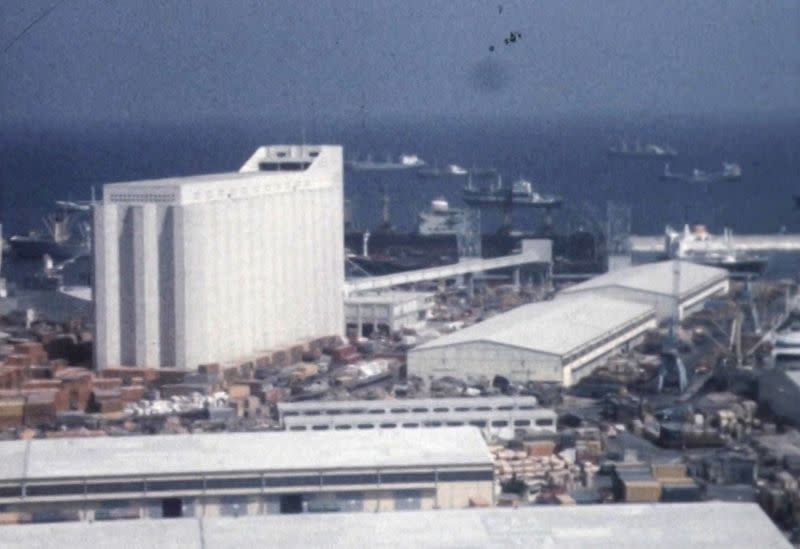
x: 699, y: 246
x: 67, y: 234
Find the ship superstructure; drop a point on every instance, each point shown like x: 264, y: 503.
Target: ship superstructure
x: 66, y: 234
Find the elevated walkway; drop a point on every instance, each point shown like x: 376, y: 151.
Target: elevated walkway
x: 464, y: 267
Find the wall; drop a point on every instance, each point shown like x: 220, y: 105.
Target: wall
x: 484, y: 359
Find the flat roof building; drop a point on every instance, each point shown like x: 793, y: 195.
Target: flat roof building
x: 560, y: 341
x: 653, y: 284
x: 212, y: 268
x: 656, y: 526
x: 489, y: 413
x: 244, y: 473
x: 388, y: 311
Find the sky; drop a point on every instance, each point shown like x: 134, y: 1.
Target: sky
x: 157, y: 60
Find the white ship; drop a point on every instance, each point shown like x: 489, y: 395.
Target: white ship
x: 449, y: 170
x: 642, y: 151
x: 405, y: 162
x: 699, y: 246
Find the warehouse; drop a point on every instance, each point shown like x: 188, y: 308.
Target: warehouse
x: 654, y: 283
x: 557, y: 341
x: 235, y: 474
x: 707, y: 525
x: 487, y: 413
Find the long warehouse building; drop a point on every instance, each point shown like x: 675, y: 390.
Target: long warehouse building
x: 711, y: 525
x: 215, y: 268
x: 560, y: 340
x: 233, y: 474
x: 654, y: 284
x: 489, y: 413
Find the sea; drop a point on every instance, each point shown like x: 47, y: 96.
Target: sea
x: 567, y: 156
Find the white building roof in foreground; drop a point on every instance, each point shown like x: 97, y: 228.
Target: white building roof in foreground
x: 240, y: 452
x: 655, y: 278
x: 619, y: 526
x: 304, y: 164
x: 555, y: 327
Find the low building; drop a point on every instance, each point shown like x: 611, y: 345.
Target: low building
x: 708, y: 525
x: 561, y: 341
x: 654, y: 284
x: 234, y: 474
x: 386, y: 311
x: 486, y: 413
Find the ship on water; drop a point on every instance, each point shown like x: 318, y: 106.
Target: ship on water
x: 444, y: 232
x: 520, y: 193
x: 441, y: 219
x: 66, y: 234
x: 729, y: 172
x: 447, y: 171
x: 638, y: 150
x: 699, y: 246
x: 404, y: 162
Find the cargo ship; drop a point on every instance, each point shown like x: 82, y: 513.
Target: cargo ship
x: 642, y: 151
x: 699, y: 246
x: 577, y: 252
x: 520, y: 193
x: 405, y: 162
x: 66, y: 234
x: 730, y: 172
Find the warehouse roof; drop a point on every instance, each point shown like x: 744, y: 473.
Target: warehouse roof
x: 656, y: 278
x: 555, y: 327
x: 708, y: 525
x: 234, y: 452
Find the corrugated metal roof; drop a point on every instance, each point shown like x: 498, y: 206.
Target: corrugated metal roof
x: 656, y: 526
x: 234, y: 452
x: 555, y: 327
x: 655, y: 278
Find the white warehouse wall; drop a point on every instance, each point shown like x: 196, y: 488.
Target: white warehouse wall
x: 481, y: 358
x: 216, y: 268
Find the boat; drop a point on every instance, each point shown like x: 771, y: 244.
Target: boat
x: 520, y: 193
x: 441, y: 219
x: 729, y: 172
x: 449, y: 170
x: 699, y: 246
x: 67, y: 234
x: 642, y: 151
x: 404, y: 162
